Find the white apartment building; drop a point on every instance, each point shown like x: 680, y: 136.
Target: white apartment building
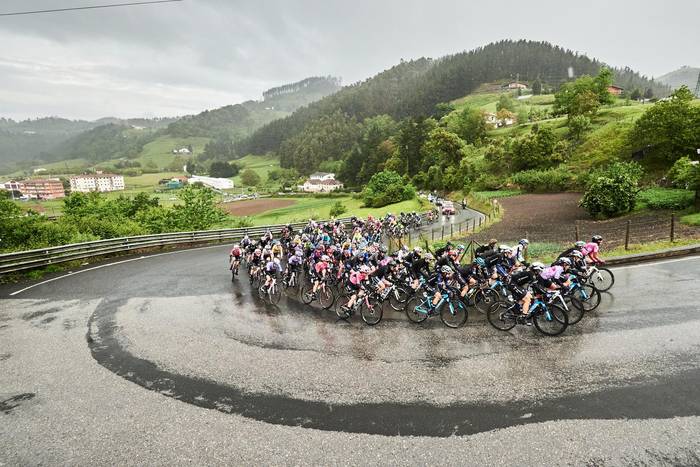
x: 97, y: 182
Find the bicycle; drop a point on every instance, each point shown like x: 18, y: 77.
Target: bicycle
x: 324, y: 295
x: 234, y: 265
x: 420, y: 307
x: 549, y: 319
x: 272, y: 293
x: 599, y: 277
x: 369, y: 305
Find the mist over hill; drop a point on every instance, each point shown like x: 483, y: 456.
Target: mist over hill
x: 684, y: 76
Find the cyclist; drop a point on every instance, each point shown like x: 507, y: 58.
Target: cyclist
x: 321, y: 268
x: 356, y: 284
x: 520, y: 250
x: 592, y: 248
x: 442, y: 279
x: 272, y: 270
x: 234, y: 258
x: 578, y: 246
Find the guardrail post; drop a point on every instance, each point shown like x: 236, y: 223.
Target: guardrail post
x: 451, y: 232
x: 479, y: 221
x: 409, y: 237
x: 577, y: 232
x: 432, y: 235
x: 673, y: 227
x: 442, y: 235
x: 473, y: 224
x: 627, y: 235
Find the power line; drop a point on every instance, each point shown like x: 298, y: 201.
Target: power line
x: 93, y: 7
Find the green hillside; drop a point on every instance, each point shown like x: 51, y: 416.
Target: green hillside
x: 414, y: 88
x: 684, y: 76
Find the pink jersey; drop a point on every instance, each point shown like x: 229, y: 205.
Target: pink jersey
x: 589, y: 248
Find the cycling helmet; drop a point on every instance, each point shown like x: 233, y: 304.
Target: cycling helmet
x: 537, y: 266
x: 429, y: 257
x: 524, y: 242
x: 461, y: 247
x: 507, y: 250
x: 597, y: 238
x: 258, y: 251
x: 446, y: 270
x: 566, y: 261
x: 580, y: 244
x: 364, y: 268
x: 325, y: 258
x: 383, y: 249
x: 480, y: 262
x: 577, y: 254
x: 417, y: 249
x: 237, y: 246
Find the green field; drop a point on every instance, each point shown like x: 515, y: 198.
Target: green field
x: 262, y: 165
x: 159, y: 151
x: 319, y: 208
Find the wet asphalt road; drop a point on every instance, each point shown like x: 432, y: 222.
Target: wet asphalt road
x: 162, y: 360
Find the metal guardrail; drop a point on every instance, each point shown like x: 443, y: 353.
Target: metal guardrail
x: 24, y: 260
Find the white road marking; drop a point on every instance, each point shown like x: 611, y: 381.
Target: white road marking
x: 661, y: 261
x: 107, y: 265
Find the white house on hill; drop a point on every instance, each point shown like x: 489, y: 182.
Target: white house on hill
x: 321, y: 182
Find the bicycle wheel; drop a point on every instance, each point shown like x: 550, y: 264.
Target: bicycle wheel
x: 589, y: 297
x: 326, y: 297
x: 306, y: 296
x: 500, y: 316
x: 262, y: 293
x: 484, y: 298
x: 275, y: 294
x: 398, y: 298
x: 453, y: 313
x: 602, y: 280
x: 341, y: 302
x: 574, y: 312
x: 416, y: 309
x: 371, y: 314
x: 551, y: 322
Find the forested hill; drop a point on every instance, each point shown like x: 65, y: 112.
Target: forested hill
x: 240, y: 120
x: 414, y: 88
x: 684, y: 76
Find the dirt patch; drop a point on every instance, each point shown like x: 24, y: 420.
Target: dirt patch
x: 255, y: 206
x: 553, y: 218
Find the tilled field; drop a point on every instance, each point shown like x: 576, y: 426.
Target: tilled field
x: 553, y: 218
x: 255, y: 206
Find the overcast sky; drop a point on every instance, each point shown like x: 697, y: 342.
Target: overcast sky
x: 180, y: 58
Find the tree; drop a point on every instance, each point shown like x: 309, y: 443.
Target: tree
x: 612, y: 190
x: 337, y: 209
x: 578, y: 125
x: 222, y: 169
x: 636, y: 94
x: 585, y: 95
x: 387, y: 187
x: 668, y: 130
x: 190, y: 167
x: 469, y: 124
x: 250, y: 177
x: 648, y: 93
x: 535, y: 150
x: 443, y: 148
x: 198, y: 210
x: 177, y: 164
x: 412, y: 135
x: 537, y: 87
x: 505, y: 102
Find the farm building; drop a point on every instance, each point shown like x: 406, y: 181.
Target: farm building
x: 321, y: 182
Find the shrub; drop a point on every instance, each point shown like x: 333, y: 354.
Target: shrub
x: 662, y: 198
x: 337, y: 209
x: 612, y: 190
x: 387, y: 187
x: 250, y: 177
x: 487, y: 182
x: 550, y: 180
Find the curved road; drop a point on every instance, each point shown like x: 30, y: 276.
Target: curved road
x: 161, y: 359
